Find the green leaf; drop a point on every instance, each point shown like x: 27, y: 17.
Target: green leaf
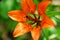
x: 47, y: 32
x: 36, y: 1
x: 56, y: 19
x: 6, y: 5
x: 52, y: 13
x: 53, y: 10
x: 26, y: 36
x: 11, y: 25
x: 19, y: 38
x: 17, y: 5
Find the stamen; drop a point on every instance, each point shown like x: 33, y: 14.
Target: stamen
x: 30, y: 22
x: 34, y: 25
x: 33, y: 19
x: 41, y: 17
x: 38, y: 23
x: 31, y: 15
x: 36, y: 14
x: 26, y: 16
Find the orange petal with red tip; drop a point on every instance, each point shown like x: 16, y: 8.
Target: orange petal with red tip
x: 42, y: 7
x: 36, y: 33
x: 28, y: 6
x: 17, y: 15
x: 47, y: 22
x: 21, y: 29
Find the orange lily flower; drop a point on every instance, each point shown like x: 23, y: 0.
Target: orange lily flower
x: 22, y: 16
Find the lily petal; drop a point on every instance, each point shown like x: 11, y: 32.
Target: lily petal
x: 17, y: 15
x: 47, y: 22
x: 45, y: 25
x: 21, y: 29
x: 24, y: 6
x: 42, y: 7
x: 36, y: 33
x: 31, y: 5
x: 28, y: 6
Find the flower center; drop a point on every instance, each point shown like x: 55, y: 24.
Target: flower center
x: 34, y: 19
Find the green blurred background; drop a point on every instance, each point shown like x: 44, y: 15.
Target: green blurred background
x: 7, y: 25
